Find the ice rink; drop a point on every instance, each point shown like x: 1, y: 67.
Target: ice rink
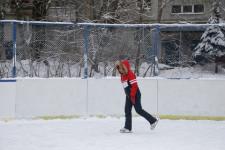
x: 103, y: 134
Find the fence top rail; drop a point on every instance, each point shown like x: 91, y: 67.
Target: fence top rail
x: 149, y: 25
x: 36, y: 22
x: 162, y: 27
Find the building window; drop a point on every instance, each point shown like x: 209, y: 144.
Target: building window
x: 187, y: 9
x: 198, y: 8
x: 176, y: 9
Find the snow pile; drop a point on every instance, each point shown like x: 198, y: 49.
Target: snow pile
x: 95, y: 134
x: 194, y: 72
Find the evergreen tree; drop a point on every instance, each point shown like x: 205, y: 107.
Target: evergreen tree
x: 212, y: 45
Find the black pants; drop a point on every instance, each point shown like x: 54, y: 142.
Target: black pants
x: 139, y: 110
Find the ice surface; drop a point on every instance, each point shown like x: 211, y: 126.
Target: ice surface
x: 103, y: 134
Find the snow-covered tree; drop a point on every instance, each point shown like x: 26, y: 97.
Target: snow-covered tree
x: 212, y: 44
x: 216, y: 13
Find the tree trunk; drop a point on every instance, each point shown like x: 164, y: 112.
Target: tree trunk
x: 2, y: 51
x: 216, y: 67
x: 39, y: 12
x: 160, y: 10
x: 40, y: 9
x: 137, y: 61
x: 139, y: 37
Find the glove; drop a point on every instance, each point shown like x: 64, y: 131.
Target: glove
x: 132, y: 98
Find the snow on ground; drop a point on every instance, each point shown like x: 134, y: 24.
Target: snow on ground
x: 196, y: 72
x: 26, y: 68
x: 103, y: 134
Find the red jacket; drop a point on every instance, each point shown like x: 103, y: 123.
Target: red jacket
x: 129, y: 82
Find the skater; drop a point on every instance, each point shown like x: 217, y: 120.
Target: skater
x: 133, y: 97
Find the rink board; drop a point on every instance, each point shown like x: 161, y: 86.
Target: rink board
x: 31, y: 98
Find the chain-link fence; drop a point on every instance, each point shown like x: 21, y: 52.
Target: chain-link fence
x: 6, y: 50
x: 176, y: 57
x: 106, y: 45
x: 48, y: 49
x: 42, y: 50
x: 178, y: 50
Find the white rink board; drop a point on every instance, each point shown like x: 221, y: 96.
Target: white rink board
x: 29, y: 98
x: 106, y: 96
x: 148, y: 88
x: 7, y: 99
x: 192, y: 97
x: 50, y: 97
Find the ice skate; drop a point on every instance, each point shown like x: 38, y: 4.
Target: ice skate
x: 154, y: 124
x: 124, y: 130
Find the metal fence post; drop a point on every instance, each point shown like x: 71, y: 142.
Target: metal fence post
x: 158, y: 42
x: 14, y: 29
x: 85, y: 57
x: 156, y: 46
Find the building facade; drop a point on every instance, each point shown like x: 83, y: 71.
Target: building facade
x: 116, y: 11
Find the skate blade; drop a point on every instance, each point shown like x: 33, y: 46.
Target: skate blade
x: 126, y: 132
